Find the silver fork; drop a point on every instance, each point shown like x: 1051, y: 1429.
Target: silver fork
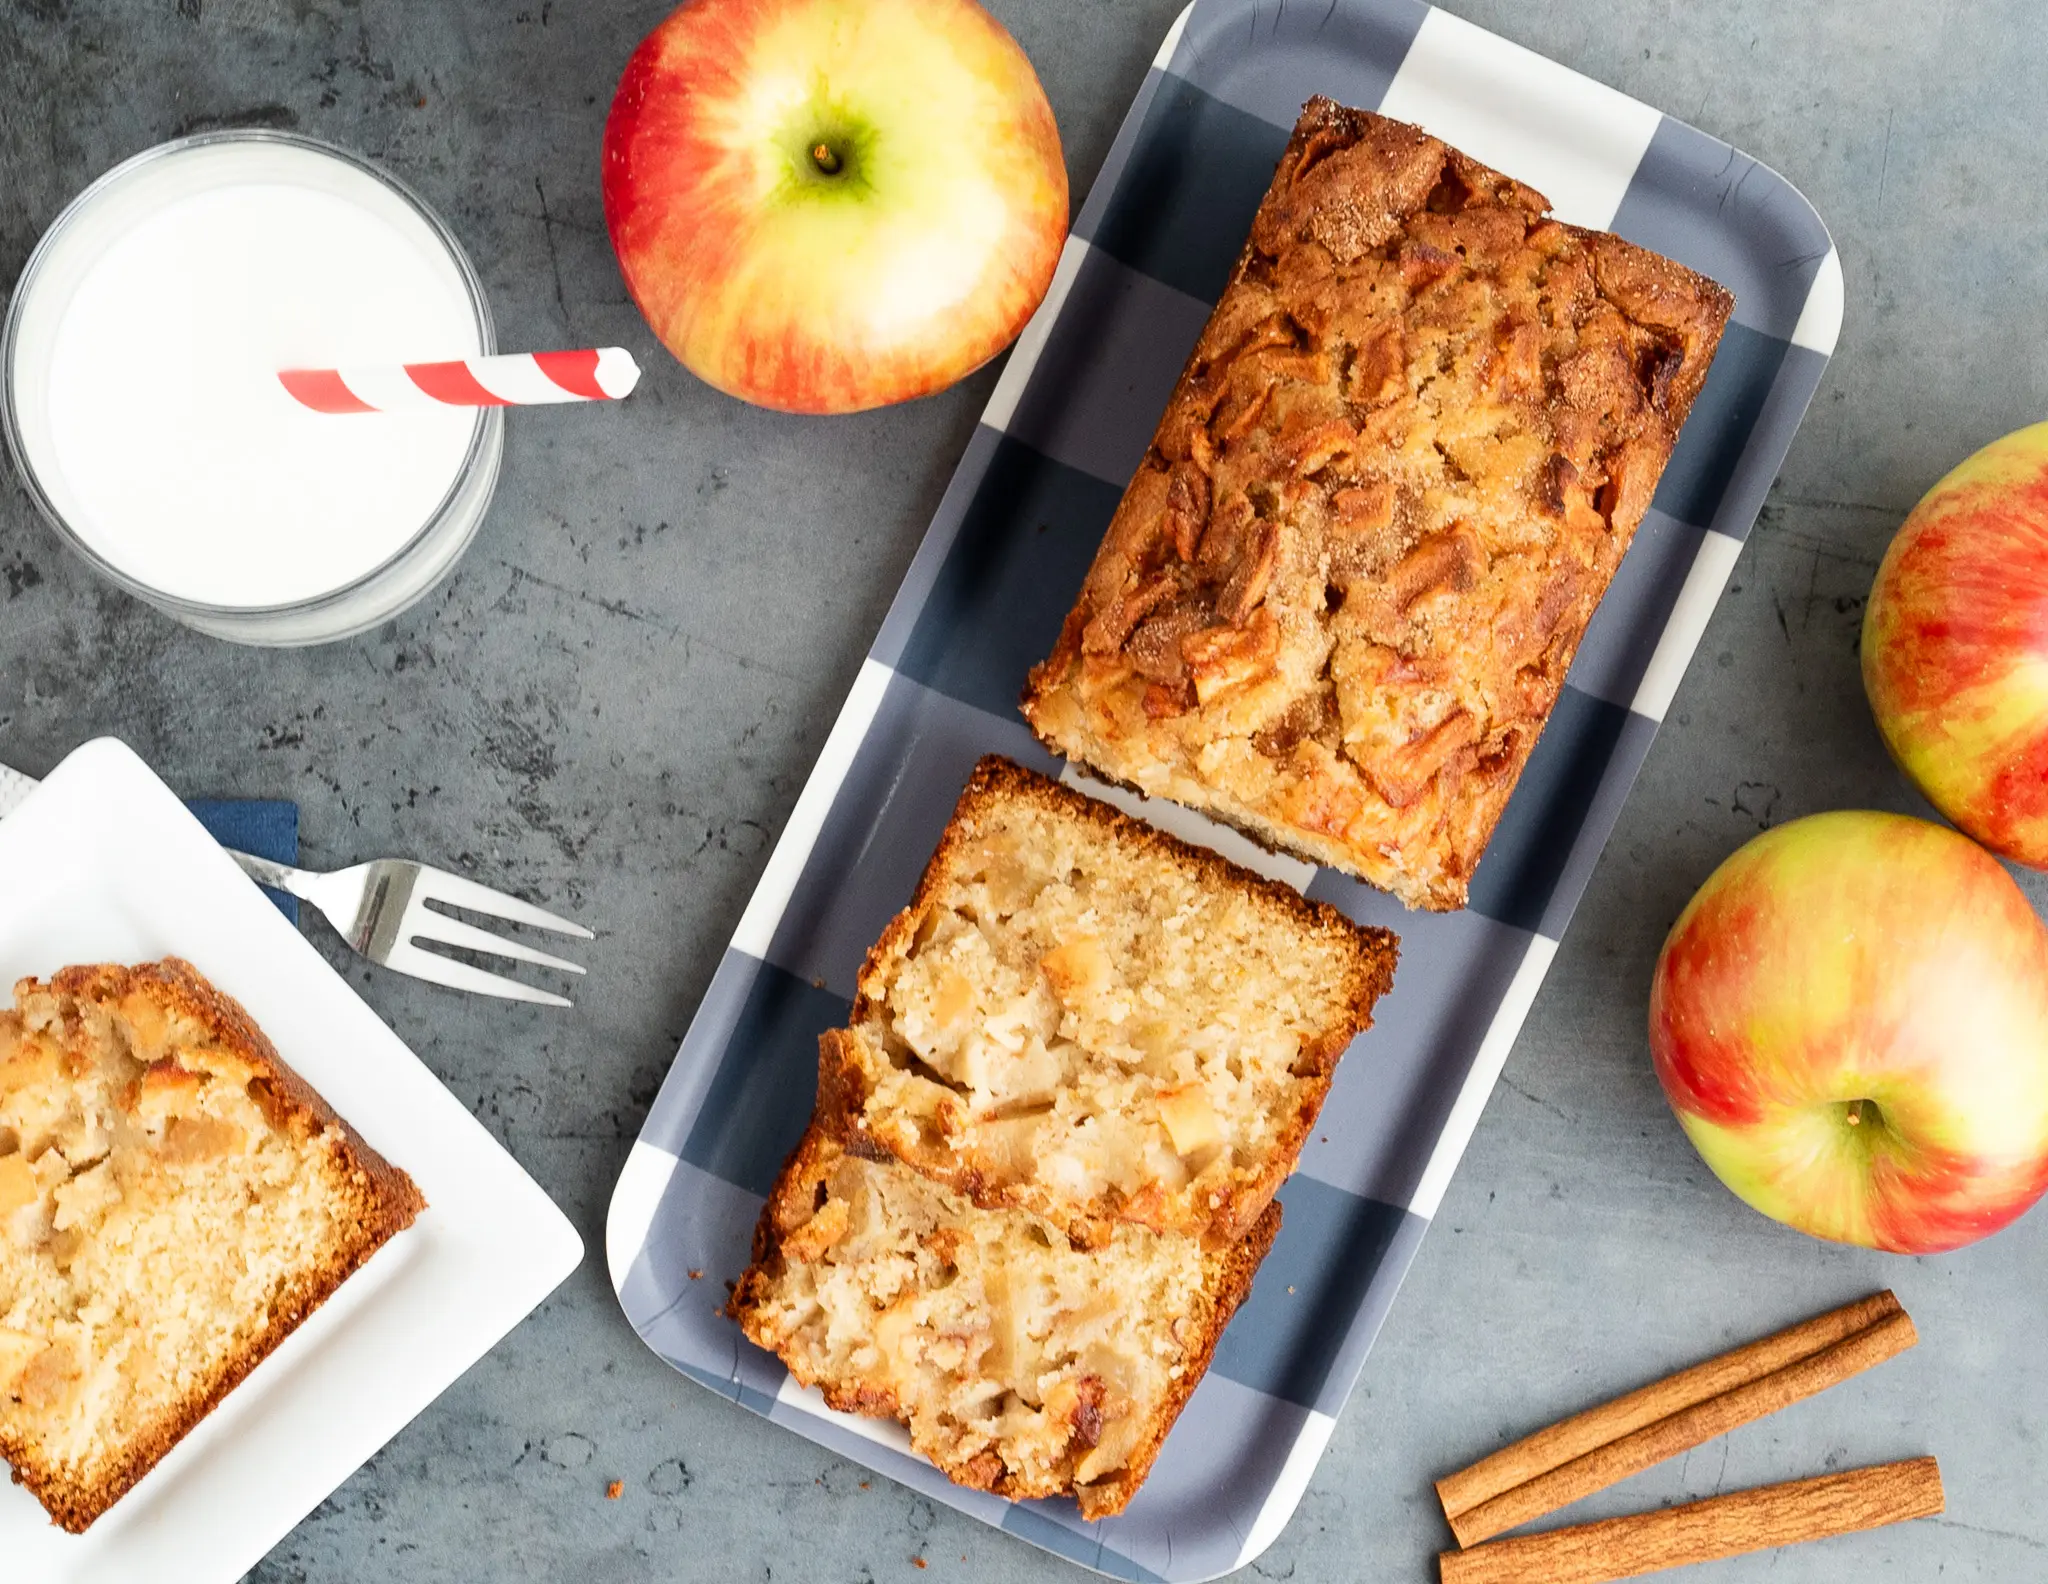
x: 380, y: 908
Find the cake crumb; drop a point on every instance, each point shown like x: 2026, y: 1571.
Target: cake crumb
x: 919, y: 1562
x: 615, y: 1490
x: 696, y: 1274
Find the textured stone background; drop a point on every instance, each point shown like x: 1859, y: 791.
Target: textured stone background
x: 613, y: 702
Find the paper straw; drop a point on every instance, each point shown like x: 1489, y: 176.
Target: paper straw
x: 516, y: 379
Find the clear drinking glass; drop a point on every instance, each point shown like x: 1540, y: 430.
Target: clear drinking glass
x: 80, y: 236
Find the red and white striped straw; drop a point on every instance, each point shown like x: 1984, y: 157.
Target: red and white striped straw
x: 516, y: 379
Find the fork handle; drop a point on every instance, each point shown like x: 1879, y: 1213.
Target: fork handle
x: 14, y: 787
x: 279, y: 877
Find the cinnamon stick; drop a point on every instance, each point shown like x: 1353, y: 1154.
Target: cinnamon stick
x: 1573, y: 1438
x: 1686, y: 1429
x: 1704, y: 1531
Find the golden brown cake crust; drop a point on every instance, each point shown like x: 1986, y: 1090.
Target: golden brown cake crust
x: 384, y: 1200
x: 1369, y: 955
x: 1340, y: 595
x: 791, y: 1204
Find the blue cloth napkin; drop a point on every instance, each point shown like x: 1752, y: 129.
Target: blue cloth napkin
x: 265, y: 827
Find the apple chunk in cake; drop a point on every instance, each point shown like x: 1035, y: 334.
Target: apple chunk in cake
x: 1019, y: 1363
x: 1083, y: 1017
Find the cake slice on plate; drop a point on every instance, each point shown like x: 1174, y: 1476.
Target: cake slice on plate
x: 174, y: 1200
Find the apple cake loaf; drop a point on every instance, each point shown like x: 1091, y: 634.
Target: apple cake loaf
x: 174, y: 1200
x: 1019, y: 1363
x: 1081, y: 1016
x: 1339, y: 597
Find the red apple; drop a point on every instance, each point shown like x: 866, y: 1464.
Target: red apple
x: 826, y: 205
x: 1851, y: 1021
x: 1955, y: 646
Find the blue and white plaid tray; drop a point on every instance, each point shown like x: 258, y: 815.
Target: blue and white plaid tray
x: 1067, y: 426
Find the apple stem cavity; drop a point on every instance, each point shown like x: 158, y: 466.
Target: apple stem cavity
x: 1865, y: 1122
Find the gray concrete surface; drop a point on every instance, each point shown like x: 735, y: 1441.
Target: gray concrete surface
x: 613, y: 703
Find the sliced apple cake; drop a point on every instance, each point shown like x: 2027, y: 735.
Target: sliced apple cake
x: 1019, y: 1363
x: 174, y: 1200
x: 1081, y: 1016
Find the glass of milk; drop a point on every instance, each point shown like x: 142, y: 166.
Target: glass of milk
x: 140, y: 399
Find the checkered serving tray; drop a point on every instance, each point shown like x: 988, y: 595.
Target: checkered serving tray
x: 1068, y: 423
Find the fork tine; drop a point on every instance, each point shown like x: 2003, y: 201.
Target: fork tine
x: 423, y: 923
x: 453, y: 889
x: 407, y: 958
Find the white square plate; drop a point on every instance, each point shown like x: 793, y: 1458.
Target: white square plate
x: 104, y: 864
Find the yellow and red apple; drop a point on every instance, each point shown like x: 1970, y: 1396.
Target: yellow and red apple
x: 1851, y: 1021
x: 828, y: 205
x: 1955, y: 646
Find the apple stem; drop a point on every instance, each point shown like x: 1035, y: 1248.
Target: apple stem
x: 1856, y: 1114
x: 823, y: 157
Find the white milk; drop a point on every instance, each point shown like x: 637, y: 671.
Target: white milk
x: 145, y: 396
